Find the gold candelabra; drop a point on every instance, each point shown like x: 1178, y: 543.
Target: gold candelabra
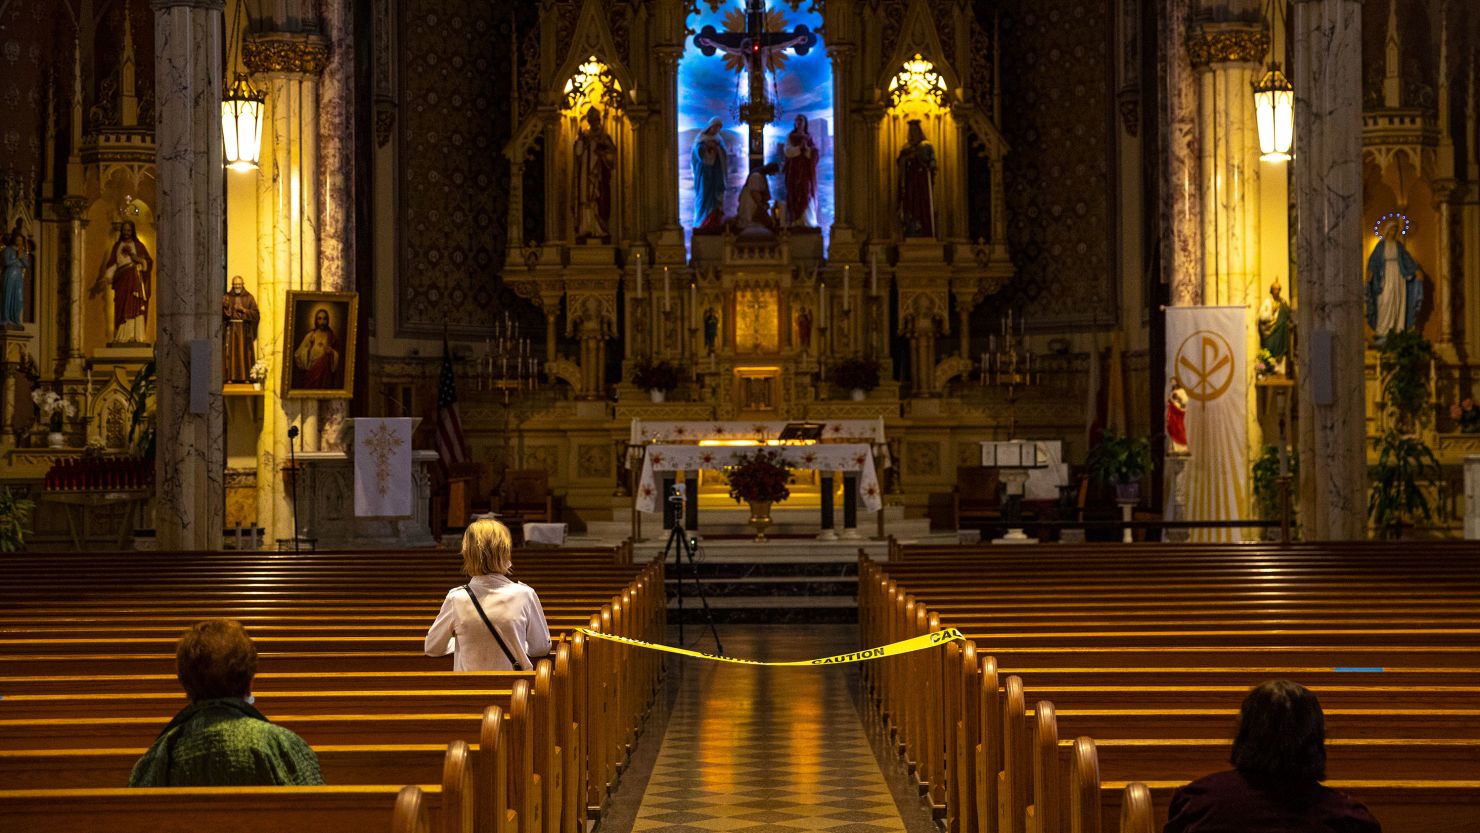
x: 1008, y: 362
x: 1010, y: 365
x: 508, y: 363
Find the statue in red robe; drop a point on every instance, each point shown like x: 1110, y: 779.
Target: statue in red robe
x: 800, y: 170
x: 916, y: 165
x: 126, y: 270
x: 1177, y: 418
x: 595, y: 156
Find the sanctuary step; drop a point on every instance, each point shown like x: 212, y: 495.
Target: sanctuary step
x: 780, y: 581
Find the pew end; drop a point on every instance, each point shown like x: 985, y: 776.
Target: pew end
x: 1137, y: 815
x: 410, y: 815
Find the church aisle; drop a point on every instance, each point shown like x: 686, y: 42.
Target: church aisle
x: 767, y: 750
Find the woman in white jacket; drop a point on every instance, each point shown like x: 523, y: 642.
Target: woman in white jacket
x: 492, y: 623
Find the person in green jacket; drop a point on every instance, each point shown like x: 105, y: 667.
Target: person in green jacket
x: 220, y: 740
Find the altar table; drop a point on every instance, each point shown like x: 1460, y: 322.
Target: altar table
x: 855, y: 460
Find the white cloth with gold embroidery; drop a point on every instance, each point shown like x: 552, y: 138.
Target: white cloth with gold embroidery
x: 692, y: 431
x: 826, y: 457
x: 383, y: 481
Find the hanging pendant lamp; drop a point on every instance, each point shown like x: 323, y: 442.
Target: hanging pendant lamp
x: 241, y: 124
x: 1274, y: 106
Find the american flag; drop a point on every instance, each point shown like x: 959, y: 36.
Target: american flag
x: 450, y: 443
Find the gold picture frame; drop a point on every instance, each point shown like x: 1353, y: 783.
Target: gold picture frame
x: 319, y: 364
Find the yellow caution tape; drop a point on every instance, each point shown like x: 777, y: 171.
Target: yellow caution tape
x: 893, y: 649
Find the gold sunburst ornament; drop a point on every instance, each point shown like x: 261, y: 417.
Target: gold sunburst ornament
x: 917, y: 84
x: 775, y: 21
x: 592, y: 83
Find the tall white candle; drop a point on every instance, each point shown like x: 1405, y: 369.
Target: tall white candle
x: 666, y: 305
x: 821, y: 304
x: 873, y: 272
x: 693, y: 305
x: 639, y: 274
x: 847, y: 303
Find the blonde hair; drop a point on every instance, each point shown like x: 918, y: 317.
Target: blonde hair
x: 487, y: 548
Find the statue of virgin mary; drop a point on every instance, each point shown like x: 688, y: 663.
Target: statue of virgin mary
x: 1394, y: 288
x: 710, y: 162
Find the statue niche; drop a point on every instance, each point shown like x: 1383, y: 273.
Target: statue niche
x: 592, y: 139
x: 924, y: 145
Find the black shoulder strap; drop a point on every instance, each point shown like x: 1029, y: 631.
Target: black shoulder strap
x: 491, y: 628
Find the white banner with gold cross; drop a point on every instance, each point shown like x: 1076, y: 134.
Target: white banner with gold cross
x: 383, y: 482
x: 1206, y: 354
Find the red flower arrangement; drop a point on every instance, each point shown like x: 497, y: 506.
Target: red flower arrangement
x: 760, y: 477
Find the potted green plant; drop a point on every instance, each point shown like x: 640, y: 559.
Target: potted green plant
x: 141, y: 429
x: 1121, y: 462
x: 759, y: 479
x: 1405, y: 463
x: 1266, y: 481
x: 655, y: 377
x: 856, y: 374
x: 15, y: 519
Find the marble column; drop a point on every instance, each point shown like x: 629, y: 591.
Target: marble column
x: 287, y: 67
x: 190, y: 499
x: 1180, y: 194
x: 841, y: 56
x: 76, y: 213
x: 1226, y: 57
x: 1328, y: 197
x: 667, y: 60
x: 337, y: 182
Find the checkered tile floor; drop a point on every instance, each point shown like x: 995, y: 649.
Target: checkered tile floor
x: 766, y: 750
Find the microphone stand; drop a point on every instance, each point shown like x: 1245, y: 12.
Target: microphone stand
x: 293, y: 463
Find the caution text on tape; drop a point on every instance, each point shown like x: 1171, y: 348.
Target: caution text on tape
x: 904, y: 646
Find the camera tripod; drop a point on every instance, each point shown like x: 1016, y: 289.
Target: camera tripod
x: 681, y: 545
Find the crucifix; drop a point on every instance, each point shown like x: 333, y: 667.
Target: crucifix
x: 754, y: 46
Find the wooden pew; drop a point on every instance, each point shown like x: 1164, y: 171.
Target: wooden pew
x: 887, y: 612
x: 348, y: 809
x: 1401, y: 805
x: 637, y: 606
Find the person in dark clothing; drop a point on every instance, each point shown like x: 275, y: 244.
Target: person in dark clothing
x: 1279, y: 761
x: 220, y: 740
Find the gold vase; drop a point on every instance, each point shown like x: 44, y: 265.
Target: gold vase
x: 760, y: 517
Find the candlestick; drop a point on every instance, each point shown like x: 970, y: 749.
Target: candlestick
x: 639, y: 274
x: 873, y: 272
x: 666, y: 306
x: 847, y: 303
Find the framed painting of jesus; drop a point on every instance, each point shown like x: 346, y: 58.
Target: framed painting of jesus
x: 319, y: 345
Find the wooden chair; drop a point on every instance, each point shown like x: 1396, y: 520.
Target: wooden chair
x: 977, y: 495
x: 525, y: 498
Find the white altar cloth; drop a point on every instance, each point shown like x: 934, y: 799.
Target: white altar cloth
x: 823, y: 457
x: 382, y: 468
x: 834, y: 430
x: 550, y: 535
